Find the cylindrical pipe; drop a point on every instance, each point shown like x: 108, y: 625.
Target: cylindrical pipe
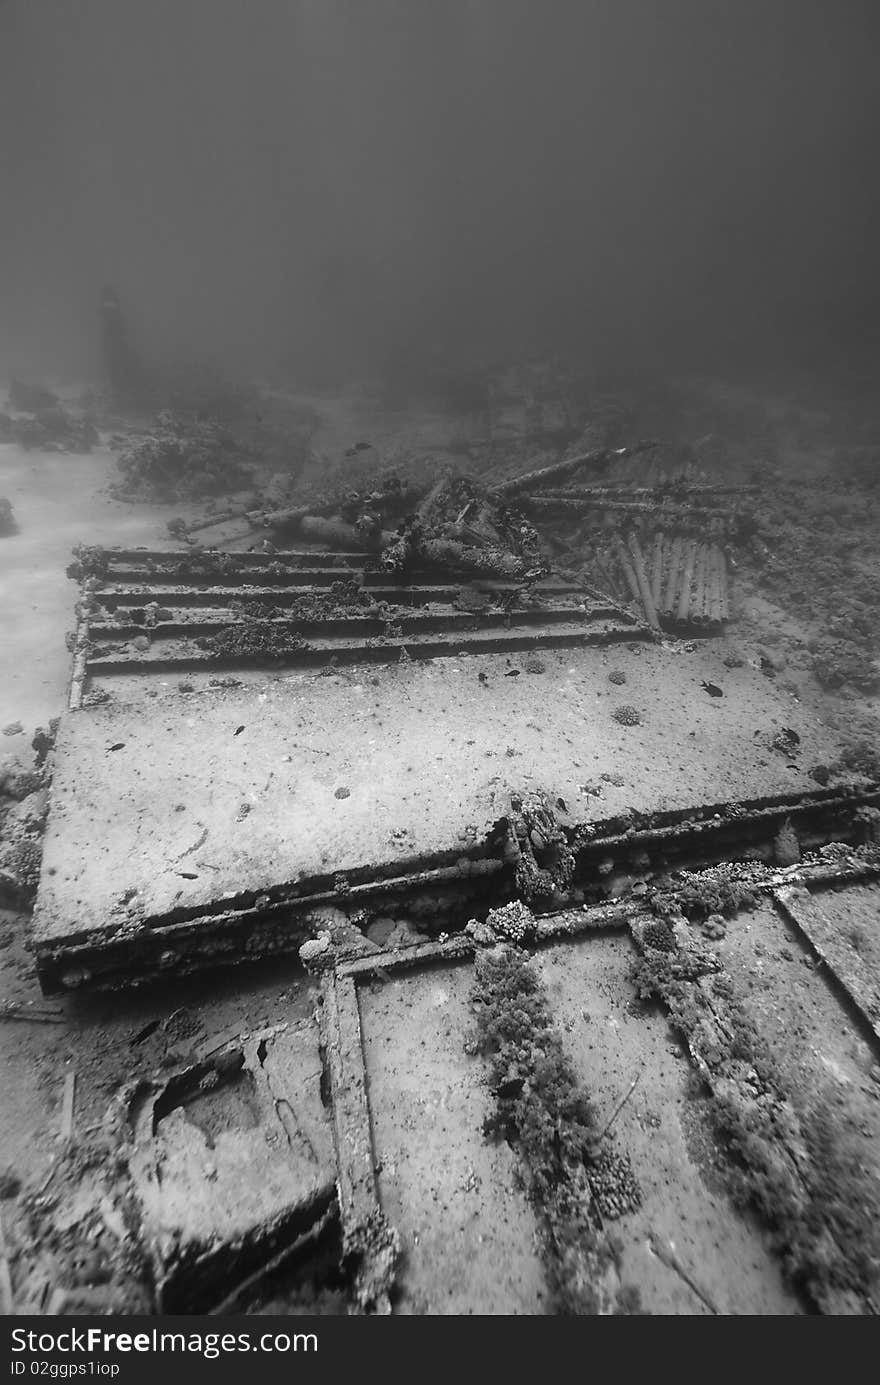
x: 684, y: 599
x: 671, y: 589
x: 657, y: 569
x: 635, y: 549
x: 568, y: 466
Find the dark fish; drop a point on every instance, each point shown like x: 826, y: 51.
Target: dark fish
x: 117, y: 746
x: 712, y: 689
x: 358, y: 447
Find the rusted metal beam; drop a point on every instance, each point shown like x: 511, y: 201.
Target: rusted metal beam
x: 598, y: 457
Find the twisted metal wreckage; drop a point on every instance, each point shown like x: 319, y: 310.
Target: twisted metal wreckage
x: 483, y: 578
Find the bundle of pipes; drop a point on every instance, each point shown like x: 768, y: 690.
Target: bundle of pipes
x: 683, y: 584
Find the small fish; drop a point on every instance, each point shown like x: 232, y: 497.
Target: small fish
x: 712, y: 689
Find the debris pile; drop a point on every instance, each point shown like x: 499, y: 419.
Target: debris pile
x: 460, y: 525
x: 75, y: 1247
x: 456, y: 524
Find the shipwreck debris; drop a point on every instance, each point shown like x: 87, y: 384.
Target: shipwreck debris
x: 231, y: 1165
x: 371, y: 1246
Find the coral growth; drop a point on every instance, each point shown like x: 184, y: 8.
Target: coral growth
x: 837, y: 662
x: 786, y: 847
x: 546, y: 863
x: 860, y: 757
x: 183, y: 459
x: 254, y: 639
x: 790, y: 1158
x: 572, y: 1176
x: 627, y: 716
x: 513, y: 921
x: 697, y: 895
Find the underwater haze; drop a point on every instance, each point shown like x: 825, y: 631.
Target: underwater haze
x: 344, y: 187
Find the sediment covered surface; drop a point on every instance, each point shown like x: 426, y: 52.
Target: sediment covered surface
x: 167, y: 805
